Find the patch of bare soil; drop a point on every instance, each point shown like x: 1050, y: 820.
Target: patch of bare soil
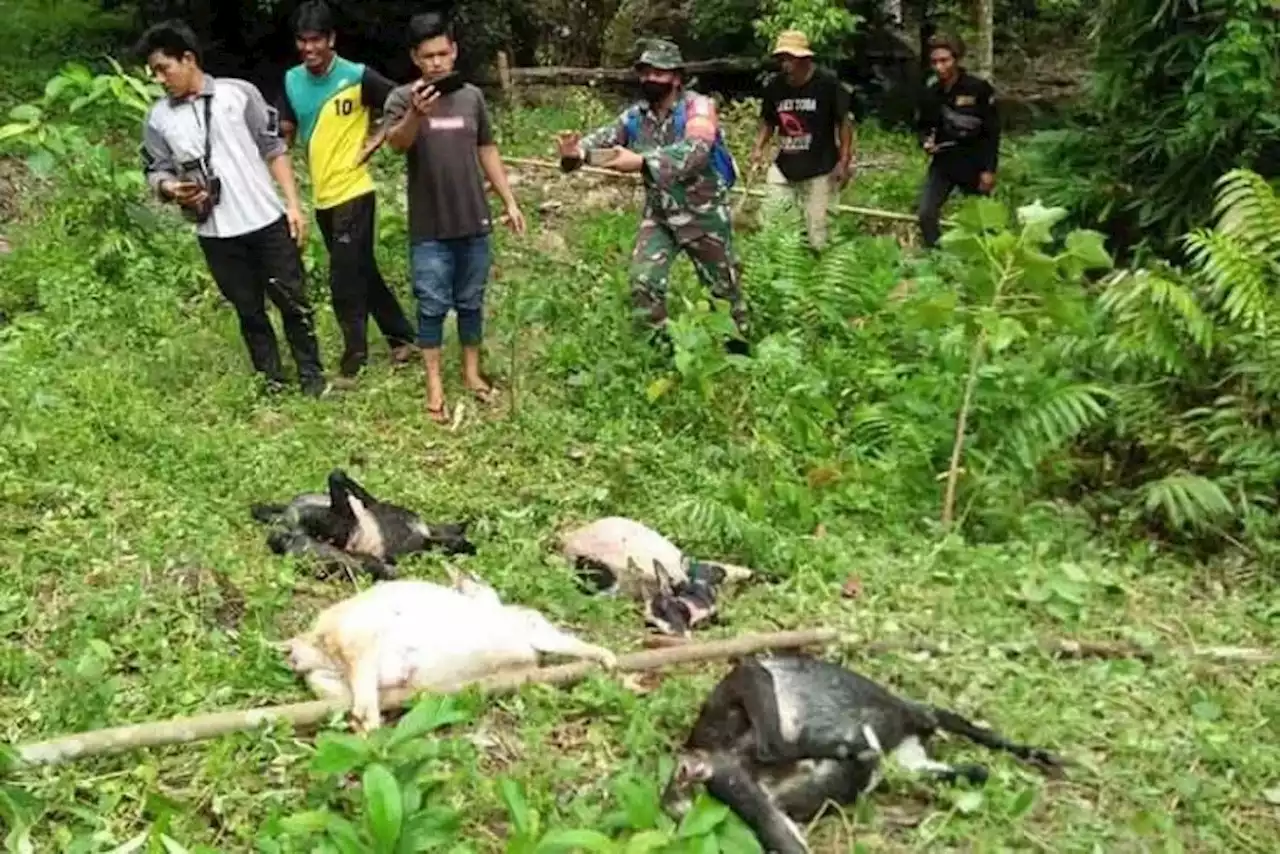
x: 12, y: 175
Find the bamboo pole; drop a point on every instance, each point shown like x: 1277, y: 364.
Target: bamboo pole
x: 201, y: 727
x: 877, y: 213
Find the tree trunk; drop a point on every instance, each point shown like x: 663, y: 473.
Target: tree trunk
x: 984, y: 50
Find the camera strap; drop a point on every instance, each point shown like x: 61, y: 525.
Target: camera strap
x: 208, y: 130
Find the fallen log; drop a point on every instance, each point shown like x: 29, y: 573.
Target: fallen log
x: 566, y: 75
x: 201, y: 727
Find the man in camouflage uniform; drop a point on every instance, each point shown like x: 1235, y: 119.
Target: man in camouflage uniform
x: 686, y: 197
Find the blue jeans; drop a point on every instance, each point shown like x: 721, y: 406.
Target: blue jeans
x: 449, y: 274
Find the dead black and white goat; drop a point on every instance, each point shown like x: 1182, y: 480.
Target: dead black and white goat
x: 781, y: 736
x: 348, y: 529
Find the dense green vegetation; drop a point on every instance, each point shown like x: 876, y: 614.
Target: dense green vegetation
x: 1116, y: 482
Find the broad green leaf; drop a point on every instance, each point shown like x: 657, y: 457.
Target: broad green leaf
x: 649, y: 840
x: 1038, y: 221
x: 963, y: 244
x: 1207, y: 710
x: 172, y: 846
x: 659, y: 387
x: 15, y: 129
x: 1022, y: 804
x: 29, y: 113
x: 982, y: 214
x: 345, y: 836
x: 1090, y: 248
x: 383, y: 810
x: 432, y: 712
x: 305, y: 823
x: 707, y: 812
x: 517, y: 806
x: 41, y: 164
x: 574, y: 840
x: 338, y: 753
x: 1039, y: 271
x: 969, y: 802
x: 55, y: 87
x: 736, y: 837
x: 1007, y: 331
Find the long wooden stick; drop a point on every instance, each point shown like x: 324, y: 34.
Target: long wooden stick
x: 200, y: 727
x: 877, y: 213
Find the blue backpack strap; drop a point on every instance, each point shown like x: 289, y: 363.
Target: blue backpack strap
x: 632, y: 124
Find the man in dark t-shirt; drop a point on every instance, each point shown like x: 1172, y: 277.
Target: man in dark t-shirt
x: 448, y: 142
x: 959, y: 129
x: 809, y: 109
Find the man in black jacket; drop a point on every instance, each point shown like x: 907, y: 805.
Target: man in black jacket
x: 959, y: 129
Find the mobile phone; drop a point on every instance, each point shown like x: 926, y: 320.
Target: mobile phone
x: 448, y: 84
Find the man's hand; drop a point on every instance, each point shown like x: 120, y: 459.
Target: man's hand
x: 569, y: 145
x: 424, y: 98
x: 625, y: 160
x: 987, y: 182
x: 185, y: 193
x: 930, y: 147
x: 843, y: 173
x: 297, y: 225
x: 515, y: 219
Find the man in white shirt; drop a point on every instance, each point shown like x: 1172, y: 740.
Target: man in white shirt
x: 212, y: 146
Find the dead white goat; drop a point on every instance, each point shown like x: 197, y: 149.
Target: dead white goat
x: 422, y: 636
x: 619, y: 556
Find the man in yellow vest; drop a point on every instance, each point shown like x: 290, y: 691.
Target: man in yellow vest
x: 326, y: 106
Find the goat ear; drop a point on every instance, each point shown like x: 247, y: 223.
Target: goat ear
x: 664, y: 578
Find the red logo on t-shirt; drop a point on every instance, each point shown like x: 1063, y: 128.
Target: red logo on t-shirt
x: 790, y: 125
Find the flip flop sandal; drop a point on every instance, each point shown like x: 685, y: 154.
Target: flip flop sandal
x: 439, y: 415
x: 487, y: 396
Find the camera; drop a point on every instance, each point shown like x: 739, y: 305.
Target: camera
x: 198, y: 172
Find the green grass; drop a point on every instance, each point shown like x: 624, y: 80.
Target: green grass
x: 132, y: 442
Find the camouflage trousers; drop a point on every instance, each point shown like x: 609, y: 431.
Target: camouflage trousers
x: 713, y: 258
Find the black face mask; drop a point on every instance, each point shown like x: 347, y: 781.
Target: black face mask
x: 655, y: 91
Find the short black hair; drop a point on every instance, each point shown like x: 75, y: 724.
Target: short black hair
x: 948, y: 43
x: 172, y: 38
x: 314, y: 16
x: 428, y: 25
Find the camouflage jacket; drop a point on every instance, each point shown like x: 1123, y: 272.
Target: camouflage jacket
x: 682, y: 188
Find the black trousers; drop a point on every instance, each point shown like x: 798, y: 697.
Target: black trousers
x: 261, y: 264
x: 943, y: 177
x: 355, y: 282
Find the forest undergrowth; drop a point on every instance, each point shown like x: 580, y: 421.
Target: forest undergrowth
x: 1103, y: 493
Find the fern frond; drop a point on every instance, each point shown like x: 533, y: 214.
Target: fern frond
x: 870, y: 430
x: 1151, y: 315
x: 1066, y: 413
x: 1248, y: 210
x: 1235, y: 275
x: 1187, y: 500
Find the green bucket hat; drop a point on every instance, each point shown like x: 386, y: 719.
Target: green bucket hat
x: 661, y: 54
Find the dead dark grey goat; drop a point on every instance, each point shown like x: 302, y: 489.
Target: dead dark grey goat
x: 619, y: 556
x: 781, y: 736
x: 349, y: 529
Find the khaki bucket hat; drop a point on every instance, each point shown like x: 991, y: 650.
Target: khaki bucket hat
x: 792, y: 43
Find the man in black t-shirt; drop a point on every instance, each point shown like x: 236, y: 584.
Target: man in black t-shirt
x: 808, y: 107
x: 959, y: 130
